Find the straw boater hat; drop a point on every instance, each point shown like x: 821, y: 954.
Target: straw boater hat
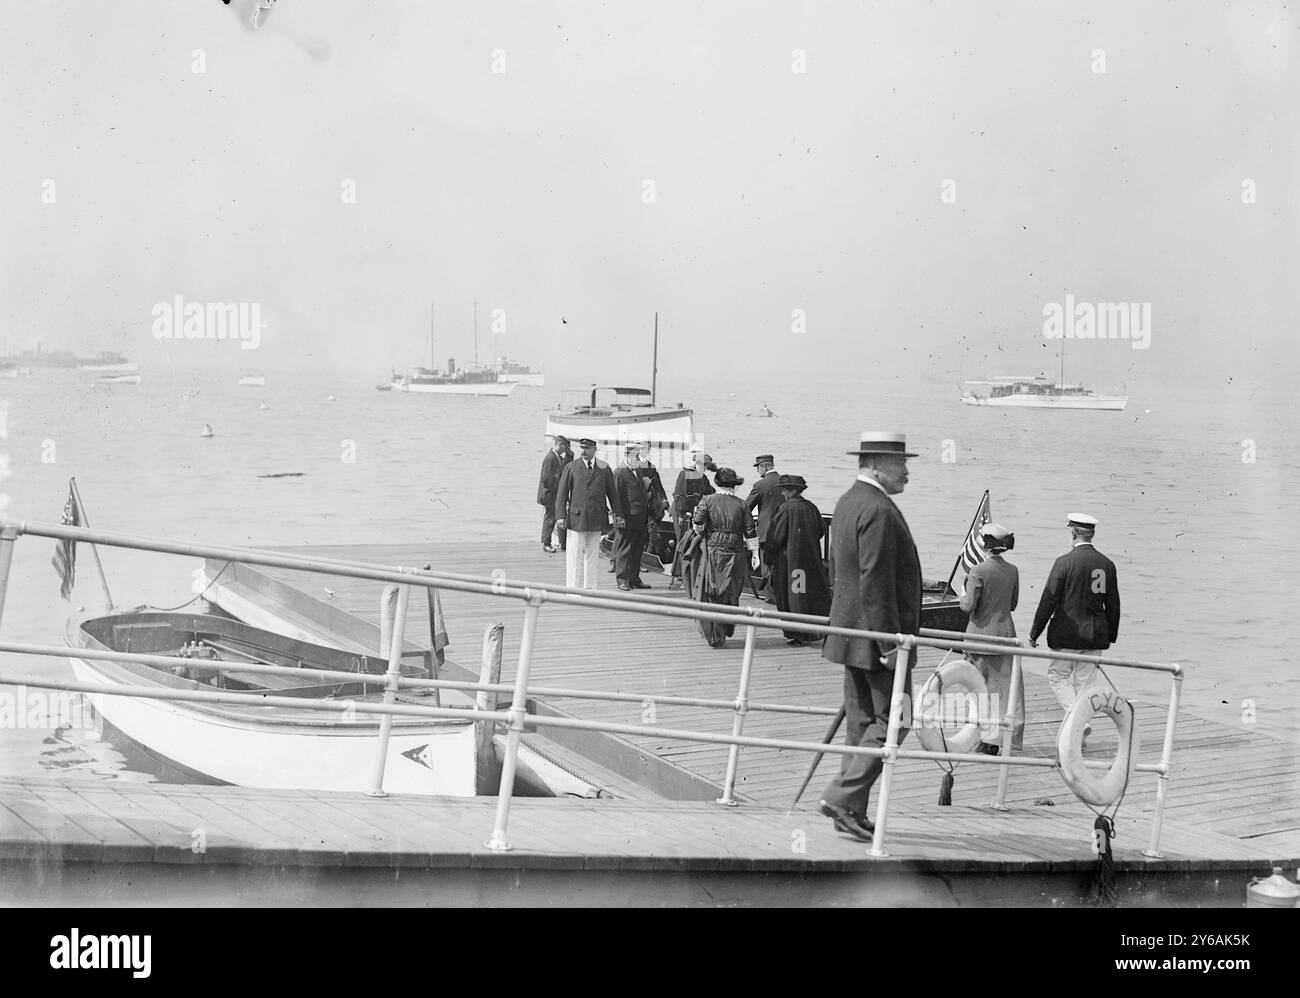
x: 727, y: 478
x: 873, y: 442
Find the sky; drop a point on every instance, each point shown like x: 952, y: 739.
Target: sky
x: 816, y: 190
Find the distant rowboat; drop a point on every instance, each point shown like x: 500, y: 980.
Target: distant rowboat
x: 120, y: 379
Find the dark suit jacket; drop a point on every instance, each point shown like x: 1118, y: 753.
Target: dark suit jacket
x: 877, y: 575
x: 632, y: 498
x: 581, y: 496
x: 1081, y: 599
x: 767, y: 497
x: 552, y: 466
x: 992, y: 592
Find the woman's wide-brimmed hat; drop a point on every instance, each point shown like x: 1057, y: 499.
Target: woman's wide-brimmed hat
x: 728, y: 478
x: 792, y: 482
x: 873, y: 442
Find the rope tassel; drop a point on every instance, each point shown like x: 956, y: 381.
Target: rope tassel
x: 1103, y: 830
x: 945, y: 790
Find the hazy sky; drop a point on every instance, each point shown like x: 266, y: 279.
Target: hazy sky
x: 775, y: 190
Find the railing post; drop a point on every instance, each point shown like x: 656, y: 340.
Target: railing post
x: 1166, y: 759
x: 1008, y: 733
x: 8, y: 536
x: 390, y: 691
x: 898, y: 701
x: 738, y: 721
x: 518, y: 711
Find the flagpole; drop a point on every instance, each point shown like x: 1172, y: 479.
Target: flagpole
x: 81, y: 507
x: 983, y: 499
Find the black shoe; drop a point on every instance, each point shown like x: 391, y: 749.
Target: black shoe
x: 986, y: 749
x: 548, y: 549
x: 624, y: 587
x: 638, y: 584
x: 612, y: 566
x: 847, y: 822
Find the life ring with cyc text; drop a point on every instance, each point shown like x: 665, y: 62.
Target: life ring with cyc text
x: 953, y: 683
x: 1088, y: 785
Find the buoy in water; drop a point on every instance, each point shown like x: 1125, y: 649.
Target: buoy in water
x: 206, y: 431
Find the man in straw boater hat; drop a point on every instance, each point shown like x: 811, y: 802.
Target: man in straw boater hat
x: 877, y: 587
x: 586, y: 485
x: 1080, y: 610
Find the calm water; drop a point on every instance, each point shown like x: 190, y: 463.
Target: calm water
x: 1204, y: 541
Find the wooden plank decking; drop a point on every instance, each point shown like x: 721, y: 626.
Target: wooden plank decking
x: 1229, y: 783
x: 129, y: 843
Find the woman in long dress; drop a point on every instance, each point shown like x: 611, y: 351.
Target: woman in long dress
x: 990, y: 593
x: 692, y: 486
x: 720, y: 564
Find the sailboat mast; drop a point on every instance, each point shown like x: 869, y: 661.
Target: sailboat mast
x: 476, y: 334
x: 654, y: 364
x: 433, y: 357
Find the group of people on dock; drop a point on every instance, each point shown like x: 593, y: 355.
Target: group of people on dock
x: 773, y: 541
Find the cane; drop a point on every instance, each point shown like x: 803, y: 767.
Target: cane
x: 830, y: 736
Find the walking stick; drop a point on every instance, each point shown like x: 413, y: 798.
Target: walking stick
x: 830, y: 736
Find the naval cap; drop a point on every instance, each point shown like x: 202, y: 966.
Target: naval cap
x: 1082, y: 520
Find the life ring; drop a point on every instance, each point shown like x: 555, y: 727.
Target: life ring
x: 1099, y: 791
x: 957, y: 676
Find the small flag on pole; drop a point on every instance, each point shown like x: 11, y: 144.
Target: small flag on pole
x: 65, y: 553
x: 437, y: 627
x: 972, y: 552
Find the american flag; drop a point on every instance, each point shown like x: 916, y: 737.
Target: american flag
x: 65, y: 554
x: 972, y: 552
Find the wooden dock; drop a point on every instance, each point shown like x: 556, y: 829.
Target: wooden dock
x: 1229, y: 781
x: 1233, y: 811
x: 121, y: 844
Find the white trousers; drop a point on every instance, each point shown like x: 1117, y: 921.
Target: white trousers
x: 582, y: 554
x: 1068, y: 679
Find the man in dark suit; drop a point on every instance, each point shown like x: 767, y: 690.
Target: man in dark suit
x: 877, y: 588
x: 766, y: 496
x: 586, y: 485
x: 630, y: 539
x: 552, y: 466
x: 1081, y: 601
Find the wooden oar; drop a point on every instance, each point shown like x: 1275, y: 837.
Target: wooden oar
x: 830, y: 736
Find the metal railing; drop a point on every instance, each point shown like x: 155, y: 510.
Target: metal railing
x: 516, y: 718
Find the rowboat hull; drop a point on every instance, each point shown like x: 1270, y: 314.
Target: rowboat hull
x: 259, y: 746
x: 120, y: 379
